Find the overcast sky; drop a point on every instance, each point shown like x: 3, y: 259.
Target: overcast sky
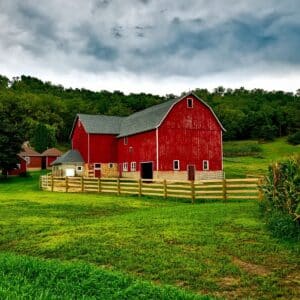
x: 167, y: 46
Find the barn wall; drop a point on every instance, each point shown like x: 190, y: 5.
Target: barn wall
x: 35, y: 163
x: 50, y: 160
x: 140, y: 148
x: 103, y: 148
x: 190, y: 135
x: 80, y: 140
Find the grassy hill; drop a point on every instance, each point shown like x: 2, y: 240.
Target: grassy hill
x: 255, y: 163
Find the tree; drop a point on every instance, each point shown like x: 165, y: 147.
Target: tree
x: 12, y: 132
x: 44, y: 137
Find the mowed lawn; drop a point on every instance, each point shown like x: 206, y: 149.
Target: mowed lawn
x: 215, y: 249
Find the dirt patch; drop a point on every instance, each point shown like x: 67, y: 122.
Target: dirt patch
x: 251, y: 268
x: 229, y: 281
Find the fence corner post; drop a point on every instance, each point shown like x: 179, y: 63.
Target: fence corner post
x: 224, y: 188
x: 193, y: 191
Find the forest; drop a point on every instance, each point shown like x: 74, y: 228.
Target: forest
x: 45, y: 111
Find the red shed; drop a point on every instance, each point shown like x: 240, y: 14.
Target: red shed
x: 33, y: 158
x: 178, y: 139
x: 49, y: 156
x: 20, y: 168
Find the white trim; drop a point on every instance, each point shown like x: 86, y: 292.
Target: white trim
x: 205, y: 104
x: 133, y: 166
x: 222, y: 155
x: 157, y: 149
x: 176, y: 169
x: 125, y: 167
x: 203, y: 162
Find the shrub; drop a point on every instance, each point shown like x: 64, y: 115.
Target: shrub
x: 294, y: 139
x: 281, y: 201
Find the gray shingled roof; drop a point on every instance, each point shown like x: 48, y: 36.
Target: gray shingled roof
x: 100, y: 123
x: 146, y: 119
x: 71, y: 156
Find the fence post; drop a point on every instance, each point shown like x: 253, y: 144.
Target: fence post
x: 224, y: 190
x: 140, y: 187
x: 52, y: 183
x: 66, y: 183
x: 118, y: 186
x: 99, y: 185
x: 193, y: 191
x: 165, y: 189
x: 82, y: 184
x: 260, y: 193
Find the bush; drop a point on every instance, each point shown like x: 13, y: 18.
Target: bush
x: 281, y: 201
x: 294, y: 139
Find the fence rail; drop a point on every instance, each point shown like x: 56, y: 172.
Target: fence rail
x: 226, y: 189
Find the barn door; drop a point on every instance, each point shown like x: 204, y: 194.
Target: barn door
x: 191, y: 172
x: 146, y: 170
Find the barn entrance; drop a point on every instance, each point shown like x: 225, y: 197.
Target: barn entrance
x: 191, y: 172
x: 146, y: 170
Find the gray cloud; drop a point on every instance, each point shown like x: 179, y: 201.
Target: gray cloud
x: 151, y: 38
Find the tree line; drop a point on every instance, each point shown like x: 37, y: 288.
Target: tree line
x: 38, y: 109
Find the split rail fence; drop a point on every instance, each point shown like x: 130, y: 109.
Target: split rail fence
x: 227, y: 189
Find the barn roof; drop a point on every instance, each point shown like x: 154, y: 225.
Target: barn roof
x: 145, y: 120
x: 71, y: 156
x: 52, y: 152
x: 27, y: 151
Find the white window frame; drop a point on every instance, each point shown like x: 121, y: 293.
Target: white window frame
x: 205, y: 162
x: 133, y: 166
x: 27, y: 158
x: 79, y: 168
x: 192, y: 102
x: 125, y: 140
x: 178, y: 166
x: 97, y: 168
x: 125, y: 166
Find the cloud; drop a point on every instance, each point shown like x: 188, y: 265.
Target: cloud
x: 154, y: 40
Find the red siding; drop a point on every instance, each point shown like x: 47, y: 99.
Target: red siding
x: 22, y: 169
x: 190, y: 135
x: 49, y: 160
x: 80, y: 140
x: 35, y: 162
x: 140, y: 148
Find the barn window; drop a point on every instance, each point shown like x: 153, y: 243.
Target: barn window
x: 133, y: 166
x: 176, y: 165
x: 190, y: 102
x: 205, y: 165
x: 110, y: 165
x: 79, y: 168
x: 27, y: 158
x: 125, y: 166
x: 125, y: 140
x: 97, y: 166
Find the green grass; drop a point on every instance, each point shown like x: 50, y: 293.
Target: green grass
x: 256, y: 165
x: 214, y: 249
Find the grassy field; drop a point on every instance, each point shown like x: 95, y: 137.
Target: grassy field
x: 243, y: 166
x: 99, y: 246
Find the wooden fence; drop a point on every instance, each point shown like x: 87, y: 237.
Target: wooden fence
x: 226, y: 189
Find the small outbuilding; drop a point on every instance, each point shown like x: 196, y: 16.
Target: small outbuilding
x: 20, y: 168
x: 32, y: 157
x: 49, y: 156
x: 70, y: 164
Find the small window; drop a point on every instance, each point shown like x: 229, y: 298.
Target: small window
x: 110, y: 165
x: 133, y: 166
x: 125, y: 166
x: 125, y: 140
x: 205, y: 165
x: 19, y: 166
x: 176, y: 166
x: 97, y: 166
x: 27, y: 158
x: 79, y: 168
x: 190, y: 102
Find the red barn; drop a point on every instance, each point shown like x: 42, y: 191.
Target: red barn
x: 49, y: 156
x: 20, y: 168
x: 178, y: 139
x: 33, y: 158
